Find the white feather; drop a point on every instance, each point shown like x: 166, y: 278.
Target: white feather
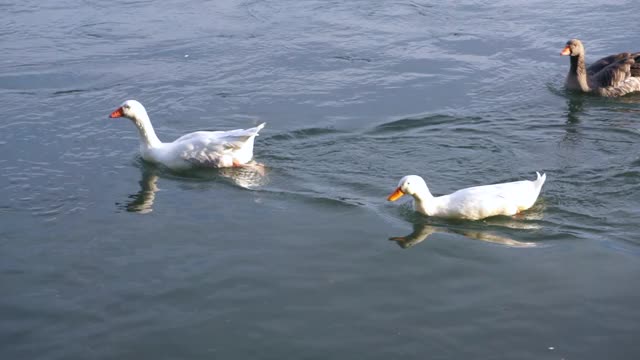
x: 198, y: 149
x: 472, y: 203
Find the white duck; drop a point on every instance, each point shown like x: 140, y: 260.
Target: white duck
x: 472, y: 203
x: 198, y: 149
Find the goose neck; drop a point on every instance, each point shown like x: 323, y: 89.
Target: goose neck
x: 579, y: 71
x: 148, y: 137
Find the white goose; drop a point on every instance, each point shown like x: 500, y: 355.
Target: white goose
x: 472, y: 203
x: 198, y: 149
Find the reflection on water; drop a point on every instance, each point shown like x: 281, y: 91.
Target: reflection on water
x: 248, y: 177
x: 523, y: 221
x: 583, y: 105
x: 575, y: 107
x: 422, y: 231
x: 142, y: 201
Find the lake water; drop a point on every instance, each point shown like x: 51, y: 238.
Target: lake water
x: 105, y: 257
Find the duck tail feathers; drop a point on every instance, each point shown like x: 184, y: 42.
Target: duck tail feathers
x: 541, y: 179
x: 254, y: 130
x: 259, y: 127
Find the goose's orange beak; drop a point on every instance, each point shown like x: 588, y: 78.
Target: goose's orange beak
x: 566, y: 51
x: 117, y: 113
x: 395, y: 195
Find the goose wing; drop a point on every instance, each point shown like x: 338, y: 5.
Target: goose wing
x: 217, y: 148
x: 604, y: 62
x: 615, y: 72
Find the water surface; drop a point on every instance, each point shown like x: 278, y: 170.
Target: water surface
x: 106, y: 257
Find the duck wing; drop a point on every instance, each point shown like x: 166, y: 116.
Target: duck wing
x: 497, y: 199
x: 496, y: 194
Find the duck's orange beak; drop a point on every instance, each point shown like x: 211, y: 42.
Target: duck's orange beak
x: 117, y: 113
x: 566, y: 51
x: 395, y: 195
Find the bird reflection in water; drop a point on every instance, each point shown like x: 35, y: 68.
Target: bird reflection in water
x: 142, y: 201
x: 575, y: 107
x: 422, y: 231
x: 249, y: 177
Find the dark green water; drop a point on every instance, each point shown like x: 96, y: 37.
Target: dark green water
x: 105, y: 257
